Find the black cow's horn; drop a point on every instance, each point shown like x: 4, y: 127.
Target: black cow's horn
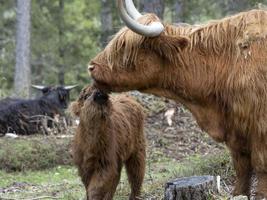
x: 70, y: 87
x: 39, y: 87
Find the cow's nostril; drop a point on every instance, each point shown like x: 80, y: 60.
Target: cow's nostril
x: 91, y: 68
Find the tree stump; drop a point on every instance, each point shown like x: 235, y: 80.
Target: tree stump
x: 192, y: 188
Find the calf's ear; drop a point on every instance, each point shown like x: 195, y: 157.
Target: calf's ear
x: 75, y: 109
x: 167, y: 46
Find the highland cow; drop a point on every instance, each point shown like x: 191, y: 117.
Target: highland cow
x: 218, y: 71
x: 25, y: 116
x: 109, y: 135
x: 7, y: 101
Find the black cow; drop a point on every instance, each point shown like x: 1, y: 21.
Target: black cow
x: 7, y: 101
x: 22, y: 116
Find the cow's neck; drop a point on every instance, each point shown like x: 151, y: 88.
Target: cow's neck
x: 206, y: 78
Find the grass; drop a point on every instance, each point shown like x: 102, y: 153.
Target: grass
x: 33, y: 153
x: 62, y: 182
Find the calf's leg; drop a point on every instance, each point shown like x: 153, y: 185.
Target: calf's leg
x: 135, y: 168
x: 103, y: 185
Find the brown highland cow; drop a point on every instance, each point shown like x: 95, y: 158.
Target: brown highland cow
x: 218, y: 71
x: 109, y: 135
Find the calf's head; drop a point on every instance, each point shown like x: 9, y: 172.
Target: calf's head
x: 95, y: 107
x: 100, y: 98
x: 92, y: 97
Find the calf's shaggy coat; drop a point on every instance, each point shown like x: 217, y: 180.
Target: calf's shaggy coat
x: 109, y: 135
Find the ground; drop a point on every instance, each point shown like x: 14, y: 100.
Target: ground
x: 176, y: 150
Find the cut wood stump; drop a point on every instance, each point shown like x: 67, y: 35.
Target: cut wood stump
x: 240, y: 198
x: 192, y: 188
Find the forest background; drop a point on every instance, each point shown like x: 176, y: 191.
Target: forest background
x: 65, y: 34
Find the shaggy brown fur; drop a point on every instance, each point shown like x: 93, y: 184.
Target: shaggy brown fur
x: 109, y: 135
x: 218, y: 71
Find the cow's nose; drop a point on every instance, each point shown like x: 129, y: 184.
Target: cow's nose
x: 91, y: 68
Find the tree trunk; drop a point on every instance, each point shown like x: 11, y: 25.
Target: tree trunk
x: 153, y: 6
x: 233, y: 6
x: 196, y: 187
x: 106, y: 21
x: 61, y: 50
x: 22, y: 77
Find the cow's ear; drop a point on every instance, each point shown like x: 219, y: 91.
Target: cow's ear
x: 167, y: 46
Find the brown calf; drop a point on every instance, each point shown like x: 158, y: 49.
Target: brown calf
x: 109, y: 135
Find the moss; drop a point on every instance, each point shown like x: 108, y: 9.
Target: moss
x: 217, y: 164
x: 34, y: 153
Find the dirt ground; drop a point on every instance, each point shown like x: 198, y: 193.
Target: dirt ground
x: 180, y: 139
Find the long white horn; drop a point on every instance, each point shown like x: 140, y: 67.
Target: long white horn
x: 70, y: 87
x: 130, y: 8
x: 39, y: 87
x: 152, y: 30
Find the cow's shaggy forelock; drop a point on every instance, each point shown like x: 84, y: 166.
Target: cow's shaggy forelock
x: 128, y: 42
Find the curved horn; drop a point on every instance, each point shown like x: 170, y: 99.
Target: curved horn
x: 70, y: 87
x: 39, y: 87
x: 133, y: 12
x: 152, y: 30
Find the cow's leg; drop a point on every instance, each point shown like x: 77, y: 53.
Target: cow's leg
x: 259, y: 162
x: 135, y: 168
x: 243, y: 168
x: 262, y: 185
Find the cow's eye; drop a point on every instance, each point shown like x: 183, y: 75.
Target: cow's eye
x: 62, y: 98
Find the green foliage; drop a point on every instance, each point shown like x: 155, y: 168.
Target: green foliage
x: 7, y: 45
x: 81, y: 34
x: 80, y: 41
